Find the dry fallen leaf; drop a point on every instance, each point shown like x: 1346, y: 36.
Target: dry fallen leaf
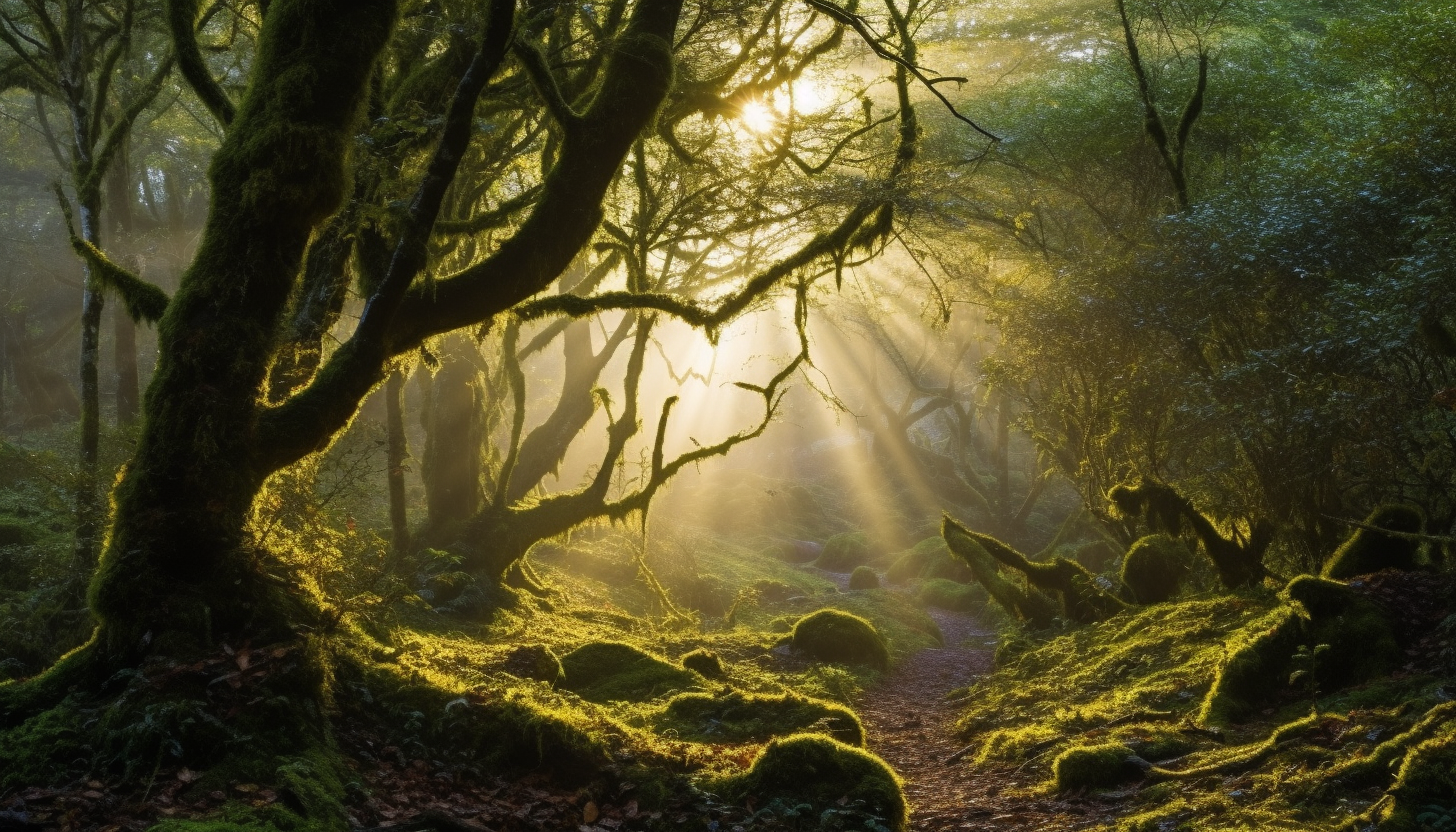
x: 590, y: 813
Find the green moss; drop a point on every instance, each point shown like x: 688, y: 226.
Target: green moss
x: 843, y: 552
x: 533, y: 661
x: 1093, y: 767
x: 1318, y: 598
x: 826, y: 774
x: 44, y: 749
x: 1368, y: 551
x: 731, y: 716
x: 1424, y: 794
x: 1255, y: 667
x: 863, y: 577
x: 1154, y: 568
x: 930, y: 558
x: 605, y: 671
x: 704, y: 662
x: 1022, y: 603
x: 17, y: 533
x: 949, y: 595
x: 835, y: 636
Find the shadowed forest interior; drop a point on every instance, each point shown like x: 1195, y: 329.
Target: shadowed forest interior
x: 885, y: 415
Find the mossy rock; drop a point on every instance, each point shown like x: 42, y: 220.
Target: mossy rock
x: 733, y: 716
x: 774, y: 591
x: 1154, y: 568
x: 825, y: 773
x: 535, y: 662
x: 930, y: 558
x: 606, y: 671
x: 863, y: 577
x: 949, y: 595
x: 1424, y: 795
x: 843, y: 552
x: 704, y: 662
x: 1093, y: 767
x: 1318, y: 597
x: 835, y: 636
x: 1368, y: 551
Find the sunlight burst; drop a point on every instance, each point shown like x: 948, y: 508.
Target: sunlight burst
x: 757, y: 117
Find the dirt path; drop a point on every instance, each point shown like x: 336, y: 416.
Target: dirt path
x: 912, y: 727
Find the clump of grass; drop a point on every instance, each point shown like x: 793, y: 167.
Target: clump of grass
x: 836, y: 636
x: 825, y: 773
x: 863, y: 577
x: 605, y: 671
x: 733, y: 716
x: 704, y: 662
x: 1368, y: 551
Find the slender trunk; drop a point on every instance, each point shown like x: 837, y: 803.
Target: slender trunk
x: 119, y: 200
x: 1003, y: 460
x: 398, y: 452
x: 454, y: 448
x: 88, y: 498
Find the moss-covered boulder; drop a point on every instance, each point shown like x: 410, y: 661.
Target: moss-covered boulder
x: 843, y: 552
x: 949, y: 595
x: 533, y: 661
x: 606, y: 671
x: 863, y: 577
x: 835, y: 636
x: 1094, y: 767
x: 930, y: 558
x: 703, y: 662
x: 733, y: 716
x: 808, y: 768
x: 1154, y: 568
x: 1256, y: 665
x: 1368, y: 551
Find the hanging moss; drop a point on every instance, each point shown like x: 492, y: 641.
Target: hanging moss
x: 1154, y: 568
x: 704, y: 662
x: 1093, y: 767
x: 604, y: 671
x: 1368, y: 551
x: 835, y: 636
x: 863, y: 577
x: 844, y: 552
x: 826, y: 774
x: 733, y: 716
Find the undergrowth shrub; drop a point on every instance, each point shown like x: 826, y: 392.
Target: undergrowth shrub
x: 835, y: 636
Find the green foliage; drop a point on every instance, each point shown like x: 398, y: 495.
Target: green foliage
x: 949, y: 595
x: 733, y: 716
x: 843, y: 552
x: 1154, y: 568
x: 603, y: 671
x: 1093, y: 767
x: 864, y: 577
x: 704, y: 662
x: 1367, y: 551
x: 822, y: 771
x: 836, y: 636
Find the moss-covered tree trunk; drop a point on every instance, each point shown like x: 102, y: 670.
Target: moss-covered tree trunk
x: 176, y: 571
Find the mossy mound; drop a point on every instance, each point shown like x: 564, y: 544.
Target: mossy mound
x: 843, y: 552
x: 704, y: 662
x: 1361, y: 646
x: 808, y: 768
x: 863, y: 577
x: 1154, y: 567
x: 949, y: 595
x: 1093, y: 767
x: 794, y: 551
x: 732, y: 716
x: 835, y: 636
x: 1368, y: 551
x: 930, y: 558
x: 605, y: 671
x: 535, y: 662
x: 1424, y: 795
